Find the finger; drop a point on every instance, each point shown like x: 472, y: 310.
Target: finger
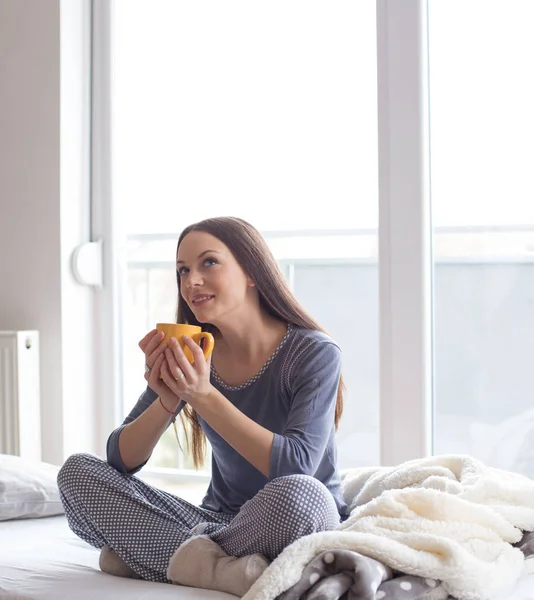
x: 169, y: 380
x: 153, y: 356
x: 174, y: 368
x: 171, y: 360
x: 164, y: 369
x: 153, y: 376
x: 196, y: 351
x: 154, y: 342
x: 156, y: 369
x: 178, y: 363
x: 144, y: 342
x: 181, y: 359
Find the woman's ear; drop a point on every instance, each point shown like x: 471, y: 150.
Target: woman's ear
x: 250, y: 282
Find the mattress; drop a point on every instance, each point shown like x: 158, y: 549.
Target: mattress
x: 41, y: 559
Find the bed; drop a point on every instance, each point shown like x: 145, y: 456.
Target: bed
x: 41, y: 559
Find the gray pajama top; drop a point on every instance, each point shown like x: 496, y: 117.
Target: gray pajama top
x: 294, y: 396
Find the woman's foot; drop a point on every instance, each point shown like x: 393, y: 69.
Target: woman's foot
x: 200, y: 562
x: 110, y: 562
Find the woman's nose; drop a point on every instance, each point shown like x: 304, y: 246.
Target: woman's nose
x: 194, y: 279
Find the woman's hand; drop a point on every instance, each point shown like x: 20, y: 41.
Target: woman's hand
x: 190, y: 382
x: 154, y: 348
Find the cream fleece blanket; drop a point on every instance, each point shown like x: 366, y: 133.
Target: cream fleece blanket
x: 449, y: 518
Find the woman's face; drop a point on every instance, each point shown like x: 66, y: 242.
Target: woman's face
x: 212, y: 282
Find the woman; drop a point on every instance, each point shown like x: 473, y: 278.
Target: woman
x: 269, y: 400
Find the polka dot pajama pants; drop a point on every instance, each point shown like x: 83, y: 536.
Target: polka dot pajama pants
x: 145, y: 525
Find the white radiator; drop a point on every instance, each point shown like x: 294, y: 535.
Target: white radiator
x: 20, y: 405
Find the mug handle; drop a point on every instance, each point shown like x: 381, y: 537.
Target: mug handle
x: 209, y: 342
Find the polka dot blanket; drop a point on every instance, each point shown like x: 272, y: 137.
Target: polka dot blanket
x: 429, y: 529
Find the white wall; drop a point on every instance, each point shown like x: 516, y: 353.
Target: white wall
x: 44, y: 207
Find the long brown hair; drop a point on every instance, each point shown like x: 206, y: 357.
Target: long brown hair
x: 257, y: 261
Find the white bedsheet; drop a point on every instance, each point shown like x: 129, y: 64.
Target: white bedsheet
x: 41, y: 559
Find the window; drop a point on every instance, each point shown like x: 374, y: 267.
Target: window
x: 482, y: 127
x: 267, y: 112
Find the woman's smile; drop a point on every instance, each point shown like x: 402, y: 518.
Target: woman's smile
x: 201, y: 299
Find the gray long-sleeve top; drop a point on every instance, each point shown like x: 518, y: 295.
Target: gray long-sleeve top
x: 294, y: 396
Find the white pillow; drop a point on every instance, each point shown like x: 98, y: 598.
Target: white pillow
x: 28, y: 489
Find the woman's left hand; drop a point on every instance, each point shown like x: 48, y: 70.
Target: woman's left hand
x: 191, y: 382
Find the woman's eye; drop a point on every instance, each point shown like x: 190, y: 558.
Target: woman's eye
x: 207, y: 262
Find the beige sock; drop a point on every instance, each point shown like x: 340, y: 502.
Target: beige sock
x: 200, y: 562
x: 110, y: 562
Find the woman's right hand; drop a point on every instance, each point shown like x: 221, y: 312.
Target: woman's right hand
x: 154, y: 346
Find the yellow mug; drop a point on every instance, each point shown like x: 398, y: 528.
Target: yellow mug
x: 177, y: 330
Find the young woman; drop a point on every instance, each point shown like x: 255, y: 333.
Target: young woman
x: 268, y: 400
